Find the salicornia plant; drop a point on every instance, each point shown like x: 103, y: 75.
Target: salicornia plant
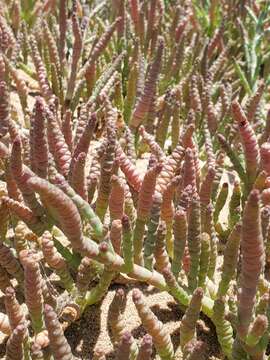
x: 135, y: 147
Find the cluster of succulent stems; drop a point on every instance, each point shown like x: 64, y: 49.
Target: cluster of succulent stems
x: 135, y: 148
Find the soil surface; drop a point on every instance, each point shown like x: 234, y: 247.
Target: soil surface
x: 91, y: 331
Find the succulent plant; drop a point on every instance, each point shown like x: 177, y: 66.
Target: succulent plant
x: 90, y: 91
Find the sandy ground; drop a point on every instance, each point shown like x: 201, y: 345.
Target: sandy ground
x: 91, y: 331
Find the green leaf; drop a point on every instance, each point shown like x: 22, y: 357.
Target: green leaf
x: 252, y: 15
x: 242, y: 77
x: 59, y: 239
